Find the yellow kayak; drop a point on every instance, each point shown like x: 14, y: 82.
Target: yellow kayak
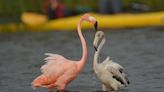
x: 109, y: 21
x: 104, y: 21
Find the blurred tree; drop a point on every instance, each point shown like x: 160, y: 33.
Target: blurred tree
x: 110, y: 6
x: 13, y: 8
x: 144, y: 5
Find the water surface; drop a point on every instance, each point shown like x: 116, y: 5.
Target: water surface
x: 140, y: 51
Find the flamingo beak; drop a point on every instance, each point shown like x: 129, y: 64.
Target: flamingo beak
x: 95, y: 48
x: 95, y: 25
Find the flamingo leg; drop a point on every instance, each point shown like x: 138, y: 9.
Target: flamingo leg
x: 104, y: 88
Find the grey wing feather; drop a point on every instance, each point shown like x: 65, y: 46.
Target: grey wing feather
x: 107, y: 60
x: 117, y: 74
x: 125, y: 76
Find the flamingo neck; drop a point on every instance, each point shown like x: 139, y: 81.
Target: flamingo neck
x: 101, y: 44
x: 95, y: 59
x: 96, y: 55
x: 82, y: 61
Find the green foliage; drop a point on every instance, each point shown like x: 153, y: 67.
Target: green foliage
x: 155, y: 5
x: 75, y: 3
x: 9, y: 8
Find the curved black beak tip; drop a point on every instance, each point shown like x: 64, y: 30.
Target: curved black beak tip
x: 95, y: 25
x: 95, y: 48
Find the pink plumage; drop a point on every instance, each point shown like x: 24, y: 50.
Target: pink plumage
x: 58, y: 71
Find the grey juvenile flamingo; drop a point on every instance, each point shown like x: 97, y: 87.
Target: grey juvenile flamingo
x: 109, y: 73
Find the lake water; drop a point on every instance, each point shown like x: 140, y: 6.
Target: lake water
x: 140, y: 51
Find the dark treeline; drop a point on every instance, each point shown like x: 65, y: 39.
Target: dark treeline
x: 10, y: 8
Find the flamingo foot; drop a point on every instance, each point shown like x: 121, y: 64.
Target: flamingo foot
x: 36, y: 86
x: 50, y: 86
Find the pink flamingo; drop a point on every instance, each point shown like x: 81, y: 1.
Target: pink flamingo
x: 59, y: 71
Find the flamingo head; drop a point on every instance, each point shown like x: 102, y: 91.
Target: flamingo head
x: 87, y: 17
x: 99, y: 36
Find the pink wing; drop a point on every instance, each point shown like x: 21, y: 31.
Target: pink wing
x: 54, y: 65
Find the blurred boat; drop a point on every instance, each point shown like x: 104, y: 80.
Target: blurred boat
x: 38, y: 21
x: 109, y: 21
x: 33, y: 19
